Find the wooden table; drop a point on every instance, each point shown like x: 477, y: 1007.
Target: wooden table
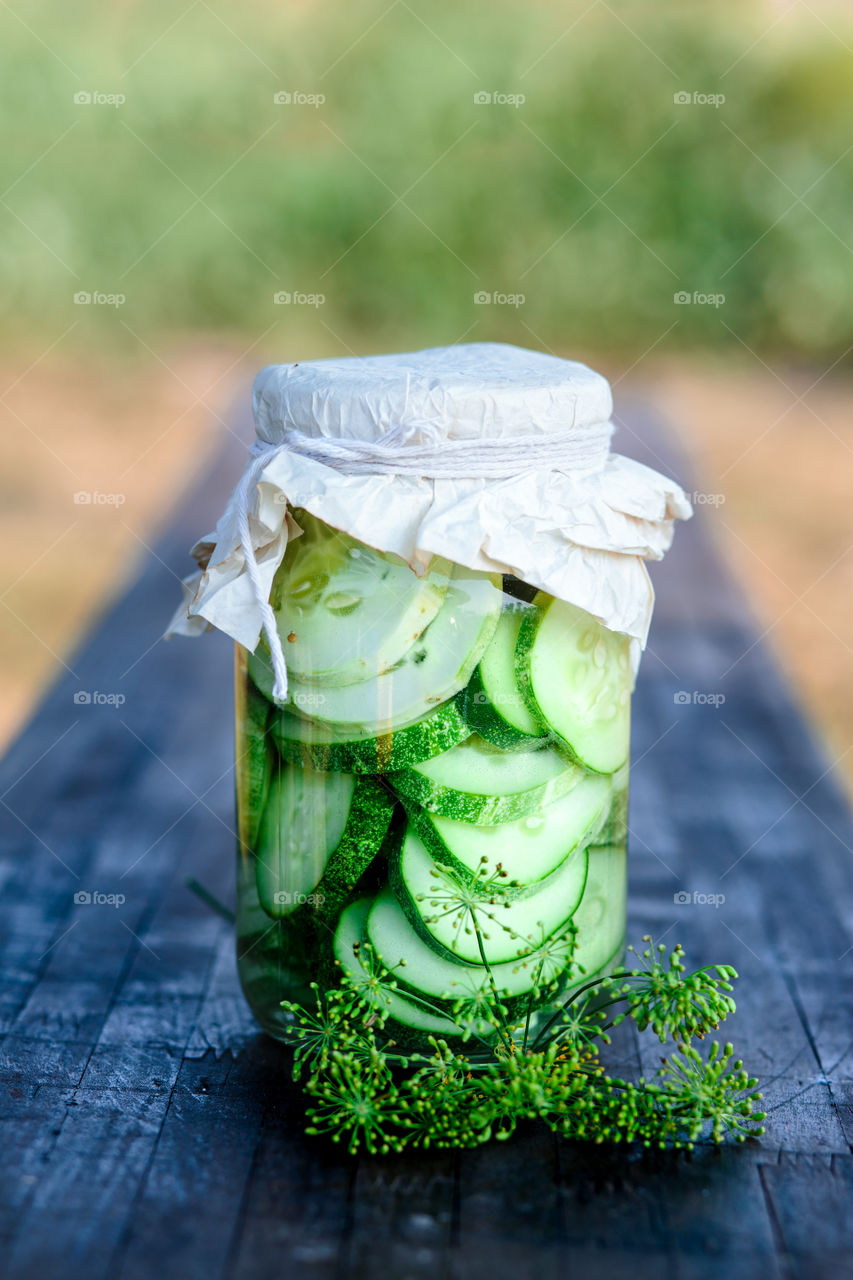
x: 149, y: 1130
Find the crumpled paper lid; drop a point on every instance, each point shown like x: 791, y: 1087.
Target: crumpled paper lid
x: 467, y: 392
x: 580, y: 533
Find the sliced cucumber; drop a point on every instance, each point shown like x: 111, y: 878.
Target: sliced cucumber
x: 318, y: 834
x: 476, y: 782
x: 442, y: 911
x: 323, y: 747
x: 370, y: 814
x: 418, y: 966
x: 614, y: 829
x: 528, y: 849
x: 433, y: 670
x: 254, y: 755
x: 576, y: 676
x: 346, y: 612
x: 494, y: 706
x: 600, y: 918
x: 350, y: 936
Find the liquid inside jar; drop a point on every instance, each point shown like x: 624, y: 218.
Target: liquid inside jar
x: 440, y: 808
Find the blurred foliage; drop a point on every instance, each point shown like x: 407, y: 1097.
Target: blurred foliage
x: 399, y: 197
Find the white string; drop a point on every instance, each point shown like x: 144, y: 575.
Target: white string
x: 575, y: 448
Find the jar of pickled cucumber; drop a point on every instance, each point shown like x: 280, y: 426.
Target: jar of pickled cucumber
x: 433, y: 571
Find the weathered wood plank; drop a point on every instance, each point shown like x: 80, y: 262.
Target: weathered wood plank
x: 810, y: 1206
x: 296, y: 1207
x: 152, y: 1126
x: 80, y: 1204
x: 408, y: 1203
x: 187, y: 1213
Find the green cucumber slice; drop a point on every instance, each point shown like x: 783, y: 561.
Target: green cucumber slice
x: 528, y: 849
x: 476, y: 782
x: 576, y: 676
x: 494, y: 706
x: 345, y: 611
x: 433, y: 670
x: 600, y: 918
x: 614, y: 829
x: 418, y: 966
x: 349, y: 935
x: 253, y: 756
x: 319, y: 832
x: 442, y: 910
x: 310, y: 742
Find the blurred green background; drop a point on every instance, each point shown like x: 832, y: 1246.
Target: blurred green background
x: 190, y: 189
x: 399, y: 197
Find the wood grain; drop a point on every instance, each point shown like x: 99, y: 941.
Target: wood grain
x: 148, y: 1129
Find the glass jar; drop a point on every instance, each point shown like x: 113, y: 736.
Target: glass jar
x: 447, y: 783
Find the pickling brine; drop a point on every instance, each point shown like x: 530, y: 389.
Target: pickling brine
x: 440, y: 802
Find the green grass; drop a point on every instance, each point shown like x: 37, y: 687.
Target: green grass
x: 399, y: 198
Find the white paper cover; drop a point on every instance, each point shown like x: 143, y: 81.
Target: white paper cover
x: 580, y: 534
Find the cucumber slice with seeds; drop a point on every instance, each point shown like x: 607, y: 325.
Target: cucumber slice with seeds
x: 345, y: 611
x: 434, y: 669
x: 420, y: 968
x: 528, y: 849
x: 576, y: 676
x: 350, y: 935
x: 442, y: 911
x: 476, y: 782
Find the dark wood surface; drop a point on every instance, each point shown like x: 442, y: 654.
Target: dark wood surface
x: 149, y: 1130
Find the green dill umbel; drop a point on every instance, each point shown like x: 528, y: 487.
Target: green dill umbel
x: 366, y: 1091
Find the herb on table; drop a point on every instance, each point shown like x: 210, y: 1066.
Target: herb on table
x: 367, y: 1091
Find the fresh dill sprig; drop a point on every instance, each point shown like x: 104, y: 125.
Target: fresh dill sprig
x: 543, y: 1065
